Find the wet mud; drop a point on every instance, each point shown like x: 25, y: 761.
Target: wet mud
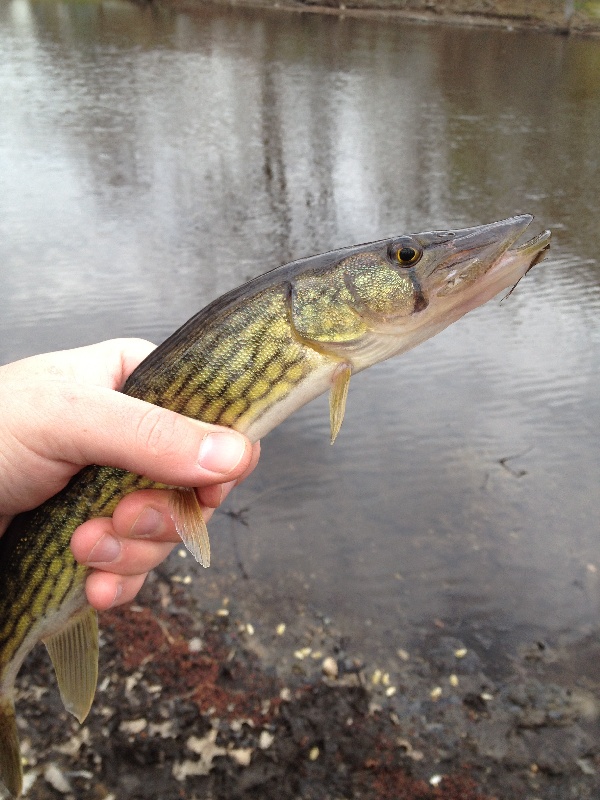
x: 201, y: 704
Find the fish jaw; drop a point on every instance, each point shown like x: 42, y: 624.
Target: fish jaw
x: 489, y: 271
x: 484, y: 264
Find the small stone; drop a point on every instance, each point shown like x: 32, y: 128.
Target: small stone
x: 56, y: 778
x: 29, y: 778
x: 195, y: 644
x: 436, y: 693
x: 461, y: 652
x: 133, y: 726
x: 206, y: 748
x: 314, y: 753
x: 586, y: 766
x: 330, y: 667
x: 163, y: 729
x: 242, y: 756
x: 453, y: 680
x: 416, y: 755
x: 390, y: 691
x: 265, y: 740
x: 435, y: 780
x: 72, y: 746
x: 280, y: 629
x: 403, y: 655
x: 132, y: 681
x: 184, y: 769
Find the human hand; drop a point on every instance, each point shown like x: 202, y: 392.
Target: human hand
x: 61, y: 411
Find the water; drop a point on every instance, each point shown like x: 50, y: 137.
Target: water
x: 151, y: 160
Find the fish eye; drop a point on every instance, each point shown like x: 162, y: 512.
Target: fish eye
x: 406, y: 253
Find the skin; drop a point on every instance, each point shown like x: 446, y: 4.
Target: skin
x: 62, y: 411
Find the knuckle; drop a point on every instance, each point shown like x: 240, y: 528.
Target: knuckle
x: 156, y: 432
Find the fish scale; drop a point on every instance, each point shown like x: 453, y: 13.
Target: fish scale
x: 248, y: 360
x: 215, y: 383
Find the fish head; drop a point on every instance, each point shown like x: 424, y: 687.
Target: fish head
x: 381, y: 299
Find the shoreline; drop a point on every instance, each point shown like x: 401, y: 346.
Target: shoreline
x: 542, y: 15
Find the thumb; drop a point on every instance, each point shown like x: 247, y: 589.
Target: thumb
x: 107, y: 427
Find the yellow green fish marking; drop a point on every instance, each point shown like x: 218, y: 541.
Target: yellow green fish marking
x: 248, y: 360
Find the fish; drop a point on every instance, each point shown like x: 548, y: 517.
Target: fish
x: 247, y: 361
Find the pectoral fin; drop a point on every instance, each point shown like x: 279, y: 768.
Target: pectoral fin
x: 74, y: 654
x: 337, y: 398
x: 188, y: 519
x: 11, y: 772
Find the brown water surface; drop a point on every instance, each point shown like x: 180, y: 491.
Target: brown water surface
x: 151, y: 160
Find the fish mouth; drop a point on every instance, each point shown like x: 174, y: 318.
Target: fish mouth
x: 477, y: 254
x: 536, y: 247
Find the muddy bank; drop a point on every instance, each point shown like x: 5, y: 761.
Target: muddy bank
x: 560, y: 16
x: 203, y: 704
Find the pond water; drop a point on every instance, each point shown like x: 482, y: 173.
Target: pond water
x: 150, y: 160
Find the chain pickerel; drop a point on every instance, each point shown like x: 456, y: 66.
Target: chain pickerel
x: 248, y: 360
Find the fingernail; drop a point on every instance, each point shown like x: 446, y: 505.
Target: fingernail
x: 221, y: 452
x: 149, y: 524
x: 105, y: 551
x: 226, y: 488
x: 118, y: 593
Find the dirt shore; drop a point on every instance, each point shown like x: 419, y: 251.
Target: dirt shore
x: 559, y: 16
x: 196, y: 704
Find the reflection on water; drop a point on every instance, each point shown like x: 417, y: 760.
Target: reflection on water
x: 151, y: 160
